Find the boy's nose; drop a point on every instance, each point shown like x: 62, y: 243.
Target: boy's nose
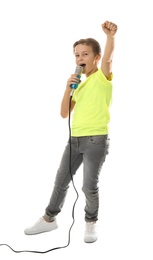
x: 80, y: 59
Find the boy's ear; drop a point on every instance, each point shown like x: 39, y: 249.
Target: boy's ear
x: 98, y: 57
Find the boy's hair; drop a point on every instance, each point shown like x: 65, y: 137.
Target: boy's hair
x: 90, y: 42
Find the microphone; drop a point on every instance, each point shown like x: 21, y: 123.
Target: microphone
x: 78, y: 72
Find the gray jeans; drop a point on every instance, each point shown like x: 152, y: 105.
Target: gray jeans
x: 91, y: 151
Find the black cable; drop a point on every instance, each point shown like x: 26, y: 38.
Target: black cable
x: 60, y: 247
x: 69, y: 123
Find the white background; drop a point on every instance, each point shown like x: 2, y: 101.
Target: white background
x: 36, y: 59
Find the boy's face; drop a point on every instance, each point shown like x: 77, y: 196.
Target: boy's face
x: 85, y: 56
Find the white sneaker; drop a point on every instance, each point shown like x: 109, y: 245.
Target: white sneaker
x: 90, y: 235
x: 41, y: 226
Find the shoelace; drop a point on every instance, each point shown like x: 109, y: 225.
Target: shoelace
x: 90, y: 227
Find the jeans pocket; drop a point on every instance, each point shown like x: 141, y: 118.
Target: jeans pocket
x: 98, y: 139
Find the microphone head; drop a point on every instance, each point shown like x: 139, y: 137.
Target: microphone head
x: 78, y: 70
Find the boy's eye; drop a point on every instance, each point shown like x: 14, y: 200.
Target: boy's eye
x: 84, y: 54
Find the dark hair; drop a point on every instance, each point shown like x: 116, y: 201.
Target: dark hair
x: 90, y: 42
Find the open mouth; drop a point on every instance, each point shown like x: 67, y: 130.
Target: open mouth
x: 83, y: 65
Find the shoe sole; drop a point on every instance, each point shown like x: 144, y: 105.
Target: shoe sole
x: 39, y: 232
x: 90, y: 241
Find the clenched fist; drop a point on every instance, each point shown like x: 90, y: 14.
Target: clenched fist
x: 109, y: 28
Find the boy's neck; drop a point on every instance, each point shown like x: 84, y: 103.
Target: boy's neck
x: 91, y: 72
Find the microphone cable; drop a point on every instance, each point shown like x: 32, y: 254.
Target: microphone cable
x: 73, y: 208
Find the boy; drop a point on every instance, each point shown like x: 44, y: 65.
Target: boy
x: 89, y: 132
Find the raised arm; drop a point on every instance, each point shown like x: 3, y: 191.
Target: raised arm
x: 110, y: 30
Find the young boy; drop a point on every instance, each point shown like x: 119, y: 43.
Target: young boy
x: 89, y: 140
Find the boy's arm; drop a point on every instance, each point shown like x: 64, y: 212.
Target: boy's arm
x: 110, y: 30
x: 65, y: 103
x: 66, y: 97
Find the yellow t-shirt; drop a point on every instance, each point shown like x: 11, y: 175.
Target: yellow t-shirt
x: 91, y: 111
